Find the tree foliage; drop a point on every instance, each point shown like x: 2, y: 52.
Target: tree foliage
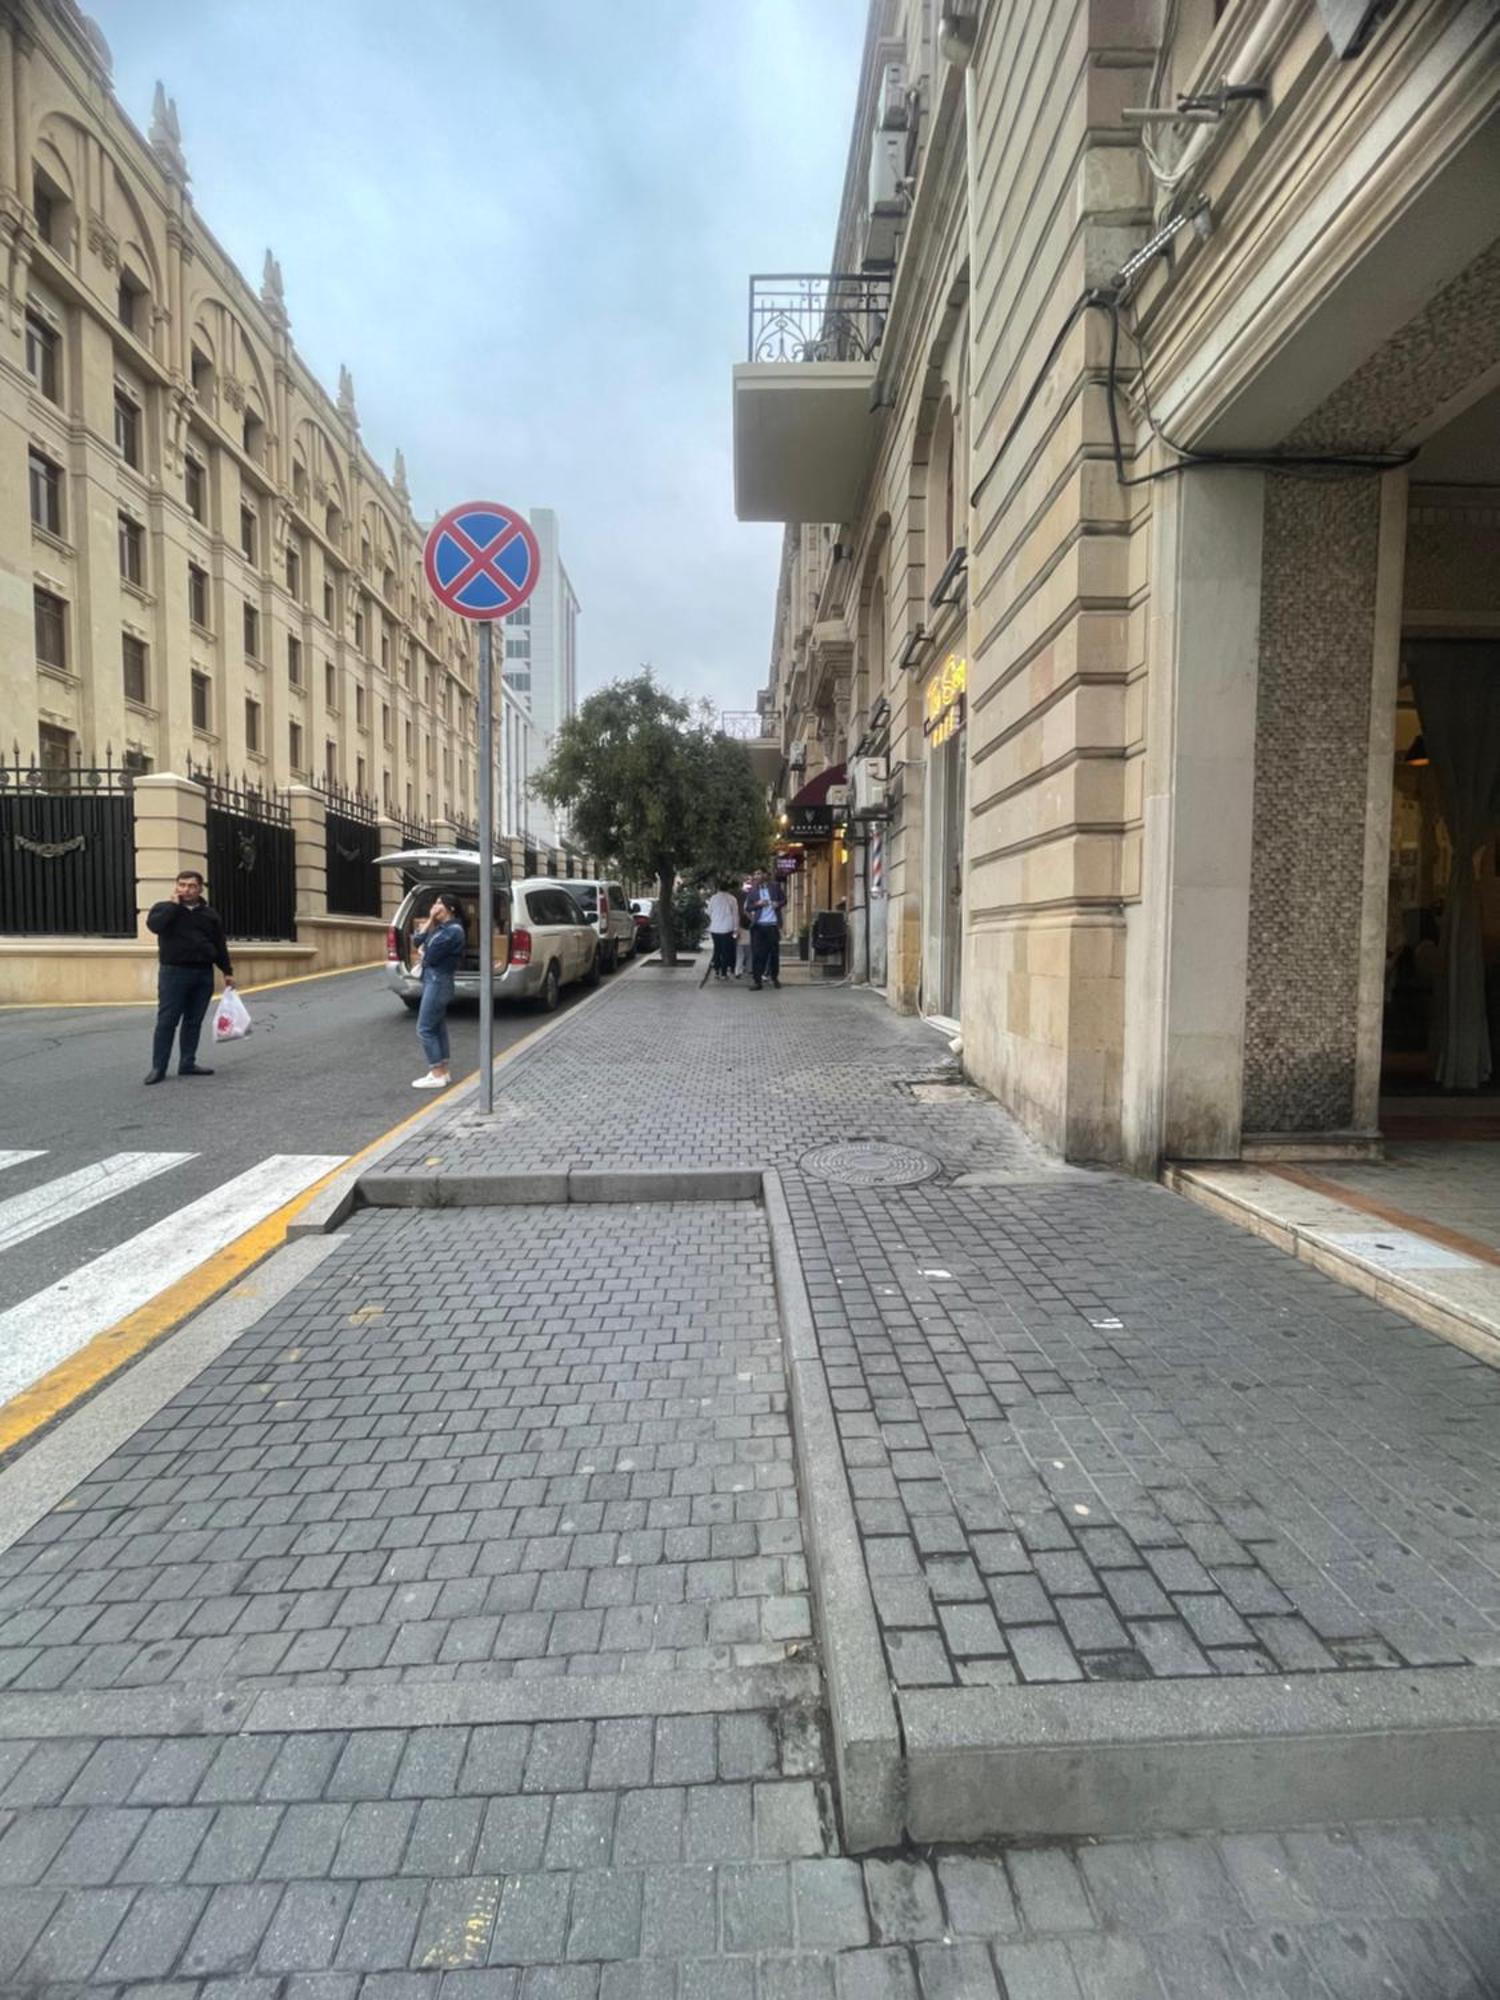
x: 645, y: 778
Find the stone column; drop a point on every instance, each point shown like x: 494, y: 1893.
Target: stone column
x: 171, y: 833
x: 444, y: 833
x: 309, y: 850
x: 393, y: 841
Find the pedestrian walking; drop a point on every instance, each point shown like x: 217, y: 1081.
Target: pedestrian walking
x: 724, y: 929
x: 441, y: 951
x: 763, y: 907
x: 189, y: 944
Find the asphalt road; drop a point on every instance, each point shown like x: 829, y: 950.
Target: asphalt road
x: 327, y: 1068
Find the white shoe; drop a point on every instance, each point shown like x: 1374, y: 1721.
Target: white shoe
x: 429, y: 1082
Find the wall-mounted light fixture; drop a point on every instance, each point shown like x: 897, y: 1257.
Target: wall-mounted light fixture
x: 912, y: 650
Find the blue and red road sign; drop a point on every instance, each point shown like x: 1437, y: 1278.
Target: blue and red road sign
x: 482, y: 559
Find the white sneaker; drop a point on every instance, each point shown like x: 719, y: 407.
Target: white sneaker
x: 429, y: 1082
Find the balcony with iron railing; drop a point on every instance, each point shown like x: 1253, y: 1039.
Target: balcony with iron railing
x: 805, y: 423
x: 759, y: 729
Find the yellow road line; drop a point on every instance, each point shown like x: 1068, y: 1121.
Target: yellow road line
x: 268, y: 986
x: 107, y: 1352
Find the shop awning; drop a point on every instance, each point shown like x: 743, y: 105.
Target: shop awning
x: 815, y: 791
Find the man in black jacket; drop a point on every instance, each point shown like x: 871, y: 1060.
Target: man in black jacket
x: 189, y: 943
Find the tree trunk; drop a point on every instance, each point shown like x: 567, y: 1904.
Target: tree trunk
x: 666, y: 915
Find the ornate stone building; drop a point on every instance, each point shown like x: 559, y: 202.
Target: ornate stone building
x: 201, y: 562
x: 1141, y: 459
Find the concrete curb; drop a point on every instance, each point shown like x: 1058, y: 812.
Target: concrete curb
x: 327, y: 1211
x: 866, y: 1734
x: 433, y: 1188
x: 1222, y: 1754
x: 256, y: 1709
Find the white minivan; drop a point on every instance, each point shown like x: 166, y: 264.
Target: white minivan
x: 543, y: 941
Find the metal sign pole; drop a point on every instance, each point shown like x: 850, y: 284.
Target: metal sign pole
x: 486, y: 870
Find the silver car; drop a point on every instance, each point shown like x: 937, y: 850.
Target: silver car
x: 543, y: 941
x: 607, y: 907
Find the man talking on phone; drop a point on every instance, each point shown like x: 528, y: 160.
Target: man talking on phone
x: 189, y: 944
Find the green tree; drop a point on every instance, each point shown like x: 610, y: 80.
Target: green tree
x: 646, y: 778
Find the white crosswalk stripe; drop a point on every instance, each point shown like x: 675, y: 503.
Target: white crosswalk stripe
x: 27, y: 1215
x: 42, y: 1331
x: 19, y: 1159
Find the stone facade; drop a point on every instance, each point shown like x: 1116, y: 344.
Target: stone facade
x: 1178, y: 731
x: 201, y: 562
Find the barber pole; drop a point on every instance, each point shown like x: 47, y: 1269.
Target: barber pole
x: 877, y: 862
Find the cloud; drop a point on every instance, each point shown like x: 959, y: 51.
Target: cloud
x: 527, y: 227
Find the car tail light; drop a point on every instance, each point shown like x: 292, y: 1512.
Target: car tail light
x: 520, y: 947
x: 392, y: 946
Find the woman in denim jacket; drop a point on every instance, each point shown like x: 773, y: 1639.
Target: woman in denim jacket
x: 442, y: 950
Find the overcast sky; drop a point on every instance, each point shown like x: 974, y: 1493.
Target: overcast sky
x: 527, y: 228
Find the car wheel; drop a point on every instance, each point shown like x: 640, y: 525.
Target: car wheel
x: 591, y: 977
x: 609, y: 961
x: 411, y: 1006
x: 551, y: 991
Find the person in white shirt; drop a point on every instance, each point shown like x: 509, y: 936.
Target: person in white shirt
x: 724, y: 929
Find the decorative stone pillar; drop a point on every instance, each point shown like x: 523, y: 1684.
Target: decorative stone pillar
x: 393, y: 841
x: 171, y: 833
x: 444, y: 833
x: 309, y: 850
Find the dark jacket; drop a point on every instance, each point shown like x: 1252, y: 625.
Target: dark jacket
x: 189, y: 934
x: 757, y: 899
x: 442, y: 950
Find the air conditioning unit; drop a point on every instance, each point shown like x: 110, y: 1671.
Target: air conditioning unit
x: 887, y: 208
x: 892, y: 100
x: 869, y: 787
x: 796, y: 755
x: 837, y: 796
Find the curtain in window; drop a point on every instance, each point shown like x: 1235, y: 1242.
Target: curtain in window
x: 1457, y: 686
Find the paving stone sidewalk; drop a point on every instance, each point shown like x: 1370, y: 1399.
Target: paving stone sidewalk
x: 1091, y: 1431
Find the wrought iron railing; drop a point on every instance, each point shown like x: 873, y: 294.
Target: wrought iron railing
x: 803, y: 316
x: 351, y: 843
x: 252, y: 880
x: 749, y: 725
x: 67, y: 847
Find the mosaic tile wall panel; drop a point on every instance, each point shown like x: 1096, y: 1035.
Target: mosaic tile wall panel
x: 1311, y: 755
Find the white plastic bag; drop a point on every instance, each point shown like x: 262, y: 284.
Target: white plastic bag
x: 232, y: 1017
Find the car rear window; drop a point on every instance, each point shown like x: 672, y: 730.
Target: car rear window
x: 551, y: 906
x: 587, y: 899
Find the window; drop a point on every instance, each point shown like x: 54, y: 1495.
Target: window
x: 198, y: 595
x: 132, y: 538
x: 50, y: 207
x: 410, y: 742
x: 385, y: 723
x: 203, y: 375
x: 519, y: 683
x: 200, y: 701
x: 299, y: 485
x: 359, y: 625
x: 359, y: 776
x: 359, y: 707
x: 327, y: 602
x: 294, y: 570
x: 385, y: 646
x: 57, y: 747
x: 252, y: 632
x: 330, y: 760
x: 135, y: 763
x: 330, y: 687
x: 518, y: 649
x: 333, y: 523
x: 46, y: 483
x: 195, y: 489
x: 294, y: 742
x: 127, y: 428
x: 252, y: 724
x: 51, y: 629
x: 41, y: 357
x: 364, y: 554
x: 248, y: 525
x: 127, y: 304
x: 133, y: 652
x: 427, y: 689
x: 521, y: 617
x: 253, y: 436
x: 294, y: 661
x: 388, y: 585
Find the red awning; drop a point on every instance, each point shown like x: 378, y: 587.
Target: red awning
x: 815, y: 791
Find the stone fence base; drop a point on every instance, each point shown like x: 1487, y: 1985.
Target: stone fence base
x: 63, y: 971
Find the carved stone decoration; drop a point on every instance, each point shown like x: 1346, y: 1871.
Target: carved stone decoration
x: 347, y: 410
x: 166, y: 136
x: 281, y: 525
x: 233, y: 391
x: 320, y: 492
x: 273, y: 294
x: 398, y: 480
x: 179, y: 414
x: 104, y: 241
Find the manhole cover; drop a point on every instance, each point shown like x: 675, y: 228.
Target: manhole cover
x: 870, y: 1163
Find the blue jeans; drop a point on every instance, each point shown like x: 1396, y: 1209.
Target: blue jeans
x: 183, y: 993
x: 432, y: 1017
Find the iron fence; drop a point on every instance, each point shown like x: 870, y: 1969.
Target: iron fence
x: 749, y: 725
x: 414, y: 832
x: 252, y: 879
x: 466, y: 834
x: 67, y: 848
x: 351, y: 847
x: 839, y: 316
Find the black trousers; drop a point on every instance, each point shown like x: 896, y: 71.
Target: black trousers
x: 724, y: 949
x: 765, y: 953
x: 183, y: 993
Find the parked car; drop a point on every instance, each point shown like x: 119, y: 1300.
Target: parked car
x: 543, y: 941
x: 643, y: 909
x: 608, y: 909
